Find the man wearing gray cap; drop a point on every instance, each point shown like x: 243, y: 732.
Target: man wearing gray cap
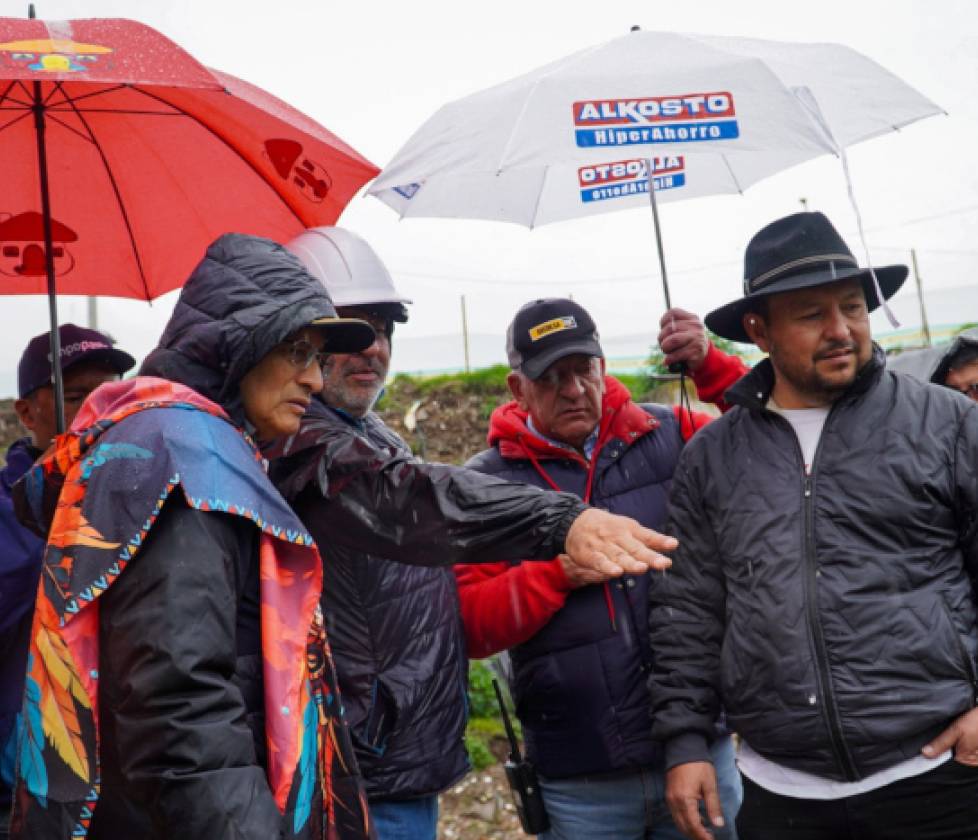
x: 822, y: 593
x: 577, y: 639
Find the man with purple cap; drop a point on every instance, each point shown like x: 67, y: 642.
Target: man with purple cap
x: 88, y: 359
x: 823, y: 590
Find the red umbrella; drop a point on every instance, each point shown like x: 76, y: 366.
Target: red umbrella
x: 122, y: 158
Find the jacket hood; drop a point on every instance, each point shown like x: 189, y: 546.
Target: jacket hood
x: 242, y: 299
x: 620, y: 418
x: 933, y: 363
x: 967, y: 339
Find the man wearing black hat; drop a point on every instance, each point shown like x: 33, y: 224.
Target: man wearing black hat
x: 822, y: 590
x: 577, y: 639
x: 87, y: 359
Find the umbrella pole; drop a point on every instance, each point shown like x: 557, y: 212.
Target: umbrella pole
x: 658, y: 234
x: 676, y: 367
x: 42, y: 168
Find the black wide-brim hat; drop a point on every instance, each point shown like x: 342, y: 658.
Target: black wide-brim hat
x: 798, y: 252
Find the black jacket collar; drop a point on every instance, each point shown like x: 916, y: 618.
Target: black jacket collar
x: 753, y: 390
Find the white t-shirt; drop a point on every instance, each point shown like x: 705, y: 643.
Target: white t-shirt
x: 807, y: 423
x: 786, y: 781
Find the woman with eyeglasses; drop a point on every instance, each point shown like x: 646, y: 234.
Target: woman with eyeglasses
x: 180, y: 684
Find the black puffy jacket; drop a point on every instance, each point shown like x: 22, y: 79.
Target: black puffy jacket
x: 394, y: 626
x: 832, y: 615
x: 185, y: 613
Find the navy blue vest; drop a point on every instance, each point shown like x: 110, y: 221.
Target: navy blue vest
x: 580, y: 683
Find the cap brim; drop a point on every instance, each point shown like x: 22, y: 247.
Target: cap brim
x: 535, y: 367
x: 345, y: 335
x: 728, y: 320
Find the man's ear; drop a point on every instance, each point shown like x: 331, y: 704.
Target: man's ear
x: 25, y: 413
x: 516, y: 387
x: 756, y: 329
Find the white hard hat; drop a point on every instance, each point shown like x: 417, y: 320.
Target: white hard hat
x: 347, y: 266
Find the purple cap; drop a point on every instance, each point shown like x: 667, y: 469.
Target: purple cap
x: 78, y: 344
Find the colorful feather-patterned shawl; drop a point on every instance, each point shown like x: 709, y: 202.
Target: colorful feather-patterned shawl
x: 132, y: 444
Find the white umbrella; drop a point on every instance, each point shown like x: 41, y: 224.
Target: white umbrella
x: 710, y: 114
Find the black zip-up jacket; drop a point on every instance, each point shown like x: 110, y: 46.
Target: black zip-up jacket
x: 832, y: 615
x: 390, y: 528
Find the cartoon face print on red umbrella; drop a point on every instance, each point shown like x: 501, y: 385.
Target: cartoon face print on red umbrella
x: 22, y: 245
x: 313, y: 181
x: 53, y: 55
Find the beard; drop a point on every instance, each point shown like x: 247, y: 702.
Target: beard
x: 341, y: 392
x: 806, y: 379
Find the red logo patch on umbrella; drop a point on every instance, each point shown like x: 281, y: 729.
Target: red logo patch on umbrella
x: 655, y: 119
x: 53, y: 55
x: 622, y: 178
x: 22, y: 246
x: 313, y: 181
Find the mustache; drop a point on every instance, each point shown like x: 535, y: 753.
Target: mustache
x: 362, y: 365
x: 834, y: 347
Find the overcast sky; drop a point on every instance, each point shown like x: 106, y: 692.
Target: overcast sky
x: 372, y: 72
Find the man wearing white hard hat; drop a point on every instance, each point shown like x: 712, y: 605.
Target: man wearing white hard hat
x: 394, y: 626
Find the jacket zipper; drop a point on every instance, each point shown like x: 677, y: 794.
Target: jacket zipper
x: 609, y: 598
x: 830, y: 711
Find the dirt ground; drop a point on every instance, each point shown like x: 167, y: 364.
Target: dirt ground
x: 451, y: 425
x: 479, y: 808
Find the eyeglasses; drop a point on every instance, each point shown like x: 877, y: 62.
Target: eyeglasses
x: 302, y: 353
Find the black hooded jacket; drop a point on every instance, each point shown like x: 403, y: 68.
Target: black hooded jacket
x: 189, y: 762
x: 247, y: 295
x: 394, y: 627
x: 832, y: 614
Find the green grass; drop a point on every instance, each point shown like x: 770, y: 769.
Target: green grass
x: 485, y: 722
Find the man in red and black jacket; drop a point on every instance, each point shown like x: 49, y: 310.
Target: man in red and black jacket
x: 579, y: 641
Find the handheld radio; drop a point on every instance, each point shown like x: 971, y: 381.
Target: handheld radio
x: 522, y: 778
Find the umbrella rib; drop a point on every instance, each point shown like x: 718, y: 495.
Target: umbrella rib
x: 55, y: 88
x: 15, y: 121
x: 5, y: 96
x: 726, y: 163
x: 536, y: 206
x: 93, y: 93
x: 28, y: 102
x: 118, y: 198
x: 27, y: 93
x: 126, y: 111
x: 67, y: 127
x: 225, y: 143
x: 529, y: 95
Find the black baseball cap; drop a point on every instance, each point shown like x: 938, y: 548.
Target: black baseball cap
x: 546, y: 330
x: 78, y: 344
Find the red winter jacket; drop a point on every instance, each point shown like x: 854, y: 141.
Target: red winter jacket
x: 504, y: 605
